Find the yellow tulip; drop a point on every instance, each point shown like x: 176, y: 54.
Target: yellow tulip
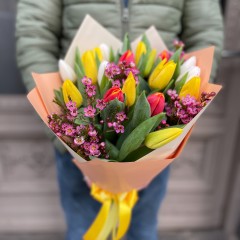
x: 161, y: 137
x: 129, y: 88
x: 90, y: 65
x: 192, y: 87
x: 150, y: 62
x: 162, y: 74
x: 71, y: 93
x: 140, y: 50
x: 97, y: 51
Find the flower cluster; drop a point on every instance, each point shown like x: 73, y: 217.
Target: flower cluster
x: 183, y: 110
x: 116, y: 124
x: 84, y: 139
x: 119, y: 72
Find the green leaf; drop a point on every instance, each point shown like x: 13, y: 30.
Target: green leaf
x: 98, y: 62
x: 137, y: 154
x: 138, y: 135
x: 81, y: 88
x: 169, y: 86
x: 146, y: 42
x: 111, y: 55
x: 112, y: 150
x: 176, y: 56
x: 105, y: 81
x: 180, y: 83
x: 126, y: 44
x: 142, y: 86
x: 59, y: 97
x: 141, y: 112
x: 78, y: 66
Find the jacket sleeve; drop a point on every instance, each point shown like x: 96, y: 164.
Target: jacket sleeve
x: 202, y: 26
x: 38, y: 29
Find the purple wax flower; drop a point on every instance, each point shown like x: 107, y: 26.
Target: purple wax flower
x: 79, y: 141
x: 101, y: 104
x: 91, y: 90
x: 121, y: 116
x: 86, y: 81
x: 89, y: 112
x: 94, y: 149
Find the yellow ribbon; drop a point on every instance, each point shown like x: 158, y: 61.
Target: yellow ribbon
x: 114, y: 216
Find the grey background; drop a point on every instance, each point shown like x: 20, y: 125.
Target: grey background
x: 10, y: 81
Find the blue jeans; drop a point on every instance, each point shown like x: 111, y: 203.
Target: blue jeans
x: 80, y: 208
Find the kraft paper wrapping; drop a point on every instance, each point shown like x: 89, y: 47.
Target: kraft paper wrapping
x: 118, y: 177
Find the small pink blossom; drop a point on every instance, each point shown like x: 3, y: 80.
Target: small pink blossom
x: 92, y: 133
x: 91, y: 90
x: 121, y: 116
x: 70, y: 131
x: 94, y: 149
x: 79, y: 140
x: 86, y: 81
x: 101, y: 104
x: 89, y: 112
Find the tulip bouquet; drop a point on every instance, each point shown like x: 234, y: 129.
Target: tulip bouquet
x: 124, y: 112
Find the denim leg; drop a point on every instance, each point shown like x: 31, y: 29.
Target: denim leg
x: 79, y: 207
x: 145, y: 213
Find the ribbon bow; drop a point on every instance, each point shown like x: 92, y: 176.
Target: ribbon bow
x: 114, y: 216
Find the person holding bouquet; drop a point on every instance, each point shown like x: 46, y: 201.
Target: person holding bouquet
x: 44, y: 31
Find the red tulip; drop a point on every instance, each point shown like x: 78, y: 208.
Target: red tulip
x: 156, y: 101
x: 165, y: 54
x: 112, y: 93
x: 128, y: 57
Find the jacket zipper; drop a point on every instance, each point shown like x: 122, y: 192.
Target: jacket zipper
x: 125, y: 16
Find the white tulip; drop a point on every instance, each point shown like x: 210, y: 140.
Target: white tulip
x: 105, y: 51
x: 66, y: 71
x: 191, y: 62
x: 101, y: 71
x: 193, y: 72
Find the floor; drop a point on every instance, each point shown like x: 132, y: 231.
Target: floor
x: 214, y: 235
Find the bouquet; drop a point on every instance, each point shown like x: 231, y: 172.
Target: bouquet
x: 124, y: 111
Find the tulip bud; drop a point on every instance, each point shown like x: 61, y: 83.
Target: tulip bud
x: 90, y: 66
x: 140, y: 50
x: 129, y: 88
x: 101, y: 71
x: 71, y: 93
x: 192, y: 72
x: 98, y: 52
x: 150, y: 62
x: 156, y: 102
x: 105, y: 51
x: 165, y: 54
x: 128, y: 57
x: 162, y: 74
x: 191, y: 62
x: 113, y: 93
x: 66, y: 71
x: 192, y: 88
x: 161, y: 137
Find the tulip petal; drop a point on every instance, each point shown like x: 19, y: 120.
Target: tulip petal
x: 191, y: 62
x: 90, y: 66
x: 71, y: 93
x: 101, y: 71
x: 140, y: 50
x: 105, y: 51
x: 192, y: 88
x: 150, y: 62
x: 66, y: 71
x: 161, y: 137
x: 129, y: 88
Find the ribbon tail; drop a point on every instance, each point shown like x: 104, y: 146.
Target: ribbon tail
x: 125, y: 213
x: 99, y: 222
x: 111, y: 223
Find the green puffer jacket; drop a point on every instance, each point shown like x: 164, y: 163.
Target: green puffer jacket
x: 45, y: 28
